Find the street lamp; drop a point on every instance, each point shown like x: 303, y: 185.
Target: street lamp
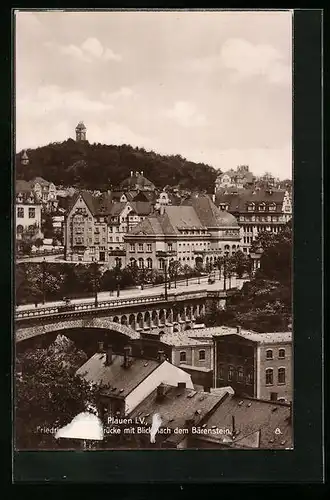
x: 95, y: 282
x: 43, y: 280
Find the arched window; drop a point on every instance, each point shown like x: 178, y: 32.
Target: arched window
x: 201, y: 355
x: 240, y: 374
x: 269, y: 354
x: 149, y: 263
x: 227, y: 247
x: 183, y: 357
x: 230, y: 373
x: 281, y: 353
x: 281, y: 376
x: 141, y: 263
x: 19, y: 229
x: 269, y: 376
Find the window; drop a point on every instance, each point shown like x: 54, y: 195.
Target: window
x: 183, y: 357
x: 170, y: 247
x: 249, y: 378
x: 149, y: 263
x: 141, y: 263
x: 20, y: 212
x: 32, y: 213
x: 269, y: 376
x: 140, y: 247
x: 240, y: 374
x: 251, y: 207
x: 19, y: 229
x: 281, y: 376
x: 272, y: 207
x: 269, y: 354
x: 201, y: 355
x: 132, y: 247
x: 148, y: 247
x: 273, y: 396
x: 221, y: 372
x: 161, y: 263
x: 281, y: 353
x: 262, y: 207
x: 230, y: 373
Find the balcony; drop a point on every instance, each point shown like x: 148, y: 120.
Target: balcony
x: 117, y: 253
x: 166, y: 253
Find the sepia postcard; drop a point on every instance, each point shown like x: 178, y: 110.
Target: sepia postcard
x: 153, y: 230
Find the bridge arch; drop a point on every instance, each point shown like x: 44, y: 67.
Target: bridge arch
x: 24, y: 333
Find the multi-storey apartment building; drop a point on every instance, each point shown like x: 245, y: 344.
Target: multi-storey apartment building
x: 194, y: 233
x: 256, y: 210
x: 27, y: 210
x: 255, y: 364
x: 95, y: 227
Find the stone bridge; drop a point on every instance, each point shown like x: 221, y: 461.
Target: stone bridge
x: 130, y: 317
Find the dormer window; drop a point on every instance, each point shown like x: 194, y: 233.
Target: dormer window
x: 272, y: 207
x: 262, y: 207
x: 251, y: 207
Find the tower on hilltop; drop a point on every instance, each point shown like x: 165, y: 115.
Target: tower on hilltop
x: 24, y: 158
x: 81, y: 132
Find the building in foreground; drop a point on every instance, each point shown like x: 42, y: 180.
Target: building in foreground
x: 126, y: 380
x: 194, y: 233
x: 219, y: 420
x: 257, y: 365
x: 256, y: 210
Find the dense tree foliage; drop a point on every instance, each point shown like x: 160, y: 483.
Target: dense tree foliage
x: 265, y: 303
x: 98, y: 166
x: 54, y: 281
x: 48, y: 393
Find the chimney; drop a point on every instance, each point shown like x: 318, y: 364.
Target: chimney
x: 181, y: 385
x: 108, y: 355
x: 101, y: 347
x: 131, y: 173
x: 161, y: 391
x: 161, y: 356
x: 127, y: 356
x: 233, y: 426
x: 238, y: 330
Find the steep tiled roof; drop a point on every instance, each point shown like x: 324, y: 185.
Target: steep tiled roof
x: 23, y: 187
x: 40, y: 181
x: 136, y: 179
x: 141, y: 207
x: 268, y: 338
x: 255, y: 420
x: 209, y: 214
x: 121, y: 380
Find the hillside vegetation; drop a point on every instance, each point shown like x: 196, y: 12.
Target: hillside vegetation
x: 100, y: 166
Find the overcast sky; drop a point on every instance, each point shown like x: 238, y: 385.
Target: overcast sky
x: 212, y: 86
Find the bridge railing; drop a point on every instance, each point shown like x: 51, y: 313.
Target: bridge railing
x: 107, y: 304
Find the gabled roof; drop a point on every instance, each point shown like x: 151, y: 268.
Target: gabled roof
x: 98, y: 205
x: 177, y: 406
x: 252, y: 417
x: 209, y: 214
x: 136, y: 179
x: 121, y: 381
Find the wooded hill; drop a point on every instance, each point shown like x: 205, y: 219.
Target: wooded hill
x: 101, y: 166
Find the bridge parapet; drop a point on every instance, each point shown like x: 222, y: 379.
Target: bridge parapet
x: 82, y: 307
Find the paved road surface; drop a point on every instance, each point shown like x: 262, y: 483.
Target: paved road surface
x: 147, y: 292
x: 40, y: 258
